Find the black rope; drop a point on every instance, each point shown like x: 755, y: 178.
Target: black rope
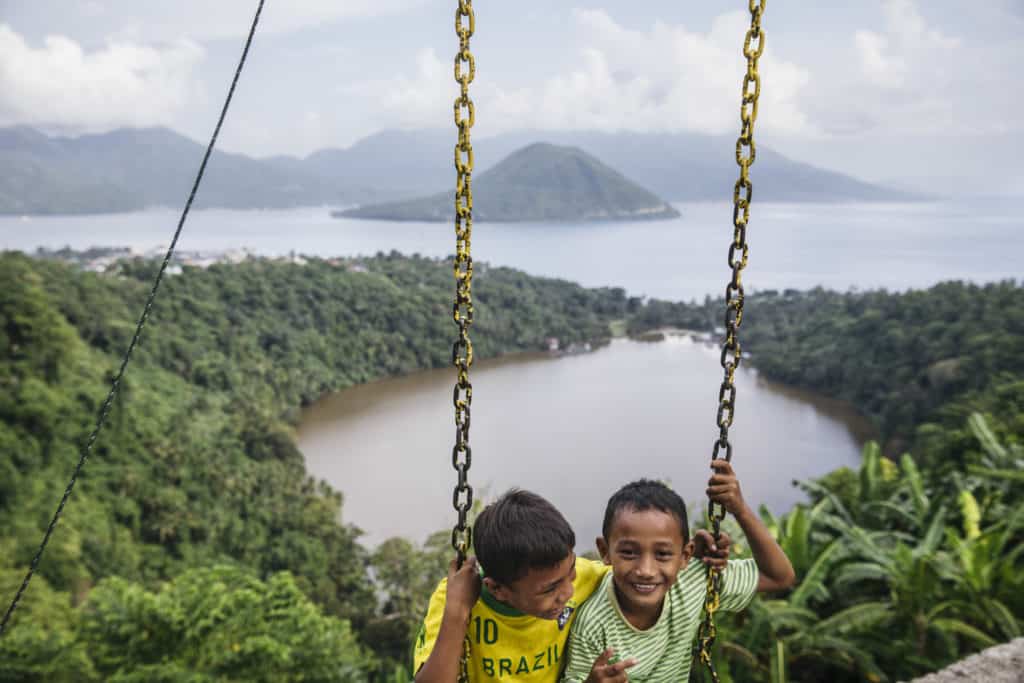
x: 84, y: 454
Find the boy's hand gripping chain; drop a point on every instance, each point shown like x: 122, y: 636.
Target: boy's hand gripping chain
x: 462, y: 310
x: 753, y: 47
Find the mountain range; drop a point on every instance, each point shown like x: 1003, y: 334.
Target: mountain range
x: 129, y: 169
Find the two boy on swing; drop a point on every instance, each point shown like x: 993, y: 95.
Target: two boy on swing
x: 542, y: 614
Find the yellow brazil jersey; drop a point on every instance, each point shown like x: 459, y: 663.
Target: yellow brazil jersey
x: 505, y: 644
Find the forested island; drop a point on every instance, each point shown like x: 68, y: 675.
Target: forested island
x: 540, y: 182
x: 197, y: 548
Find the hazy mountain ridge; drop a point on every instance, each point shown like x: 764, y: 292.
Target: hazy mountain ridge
x: 131, y: 169
x: 540, y: 182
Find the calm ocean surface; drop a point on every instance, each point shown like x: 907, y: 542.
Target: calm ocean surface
x: 839, y: 246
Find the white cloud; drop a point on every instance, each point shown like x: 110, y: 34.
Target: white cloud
x: 667, y: 78
x: 907, y: 38
x: 204, y: 20
x: 913, y: 79
x: 415, y: 101
x: 878, y: 67
x: 61, y: 85
x: 663, y: 78
x: 297, y: 14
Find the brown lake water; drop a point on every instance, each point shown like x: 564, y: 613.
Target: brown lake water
x: 573, y: 429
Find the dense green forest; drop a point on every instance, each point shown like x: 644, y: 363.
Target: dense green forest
x: 196, y: 547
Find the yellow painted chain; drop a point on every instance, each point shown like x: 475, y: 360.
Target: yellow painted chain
x: 739, y: 250
x: 462, y: 309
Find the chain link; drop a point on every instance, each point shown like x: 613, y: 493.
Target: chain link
x: 462, y: 308
x: 739, y: 251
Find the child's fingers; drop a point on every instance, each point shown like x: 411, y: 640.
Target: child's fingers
x: 702, y: 538
x: 602, y: 659
x: 468, y: 566
x: 626, y: 664
x: 718, y: 556
x: 721, y: 466
x: 618, y: 669
x: 720, y: 490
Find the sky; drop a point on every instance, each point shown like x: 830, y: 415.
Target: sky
x: 925, y: 95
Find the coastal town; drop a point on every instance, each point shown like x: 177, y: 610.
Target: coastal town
x: 104, y: 260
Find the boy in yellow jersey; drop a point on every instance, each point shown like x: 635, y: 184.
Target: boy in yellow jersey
x: 516, y: 620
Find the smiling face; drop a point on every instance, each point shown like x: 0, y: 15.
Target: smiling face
x: 541, y: 593
x: 646, y: 550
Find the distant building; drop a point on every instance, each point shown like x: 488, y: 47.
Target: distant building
x: 552, y: 343
x: 100, y: 264
x: 198, y: 260
x: 578, y: 347
x: 235, y: 256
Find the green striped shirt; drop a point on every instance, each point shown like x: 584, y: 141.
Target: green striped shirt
x: 664, y: 651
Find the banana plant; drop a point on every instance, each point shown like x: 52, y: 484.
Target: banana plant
x: 999, y: 468
x: 899, y: 570
x: 791, y: 632
x: 793, y: 640
x: 906, y: 575
x: 986, y: 572
x: 879, y: 494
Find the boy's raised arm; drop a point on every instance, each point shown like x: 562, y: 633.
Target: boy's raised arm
x: 442, y: 666
x: 774, y: 568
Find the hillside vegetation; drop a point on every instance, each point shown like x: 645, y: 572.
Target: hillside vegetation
x: 197, y: 477
x: 196, y: 547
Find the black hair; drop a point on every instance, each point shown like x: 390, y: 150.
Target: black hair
x: 518, y: 532
x: 645, y: 494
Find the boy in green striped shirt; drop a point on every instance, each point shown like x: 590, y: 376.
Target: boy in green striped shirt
x: 641, y: 621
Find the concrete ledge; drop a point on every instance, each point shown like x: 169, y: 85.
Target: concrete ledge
x: 1000, y: 664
